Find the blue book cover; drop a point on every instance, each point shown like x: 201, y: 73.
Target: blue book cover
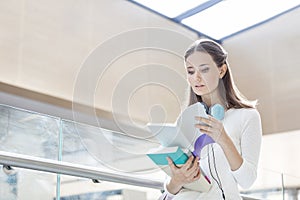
x: 159, y: 157
x: 179, y: 157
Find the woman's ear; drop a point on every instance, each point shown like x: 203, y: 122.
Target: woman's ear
x: 223, y: 70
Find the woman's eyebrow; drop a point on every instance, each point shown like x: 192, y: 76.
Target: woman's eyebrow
x: 201, y: 65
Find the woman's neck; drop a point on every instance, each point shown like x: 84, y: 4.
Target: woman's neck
x: 213, y: 98
x: 209, y: 101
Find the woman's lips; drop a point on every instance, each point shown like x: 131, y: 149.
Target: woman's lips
x: 199, y: 86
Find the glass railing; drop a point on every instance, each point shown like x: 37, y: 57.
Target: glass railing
x: 274, y: 186
x: 46, y: 157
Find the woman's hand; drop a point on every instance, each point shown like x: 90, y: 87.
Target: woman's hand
x: 187, y: 173
x: 213, y: 128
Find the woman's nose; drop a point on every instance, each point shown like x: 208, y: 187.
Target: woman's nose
x: 198, y: 76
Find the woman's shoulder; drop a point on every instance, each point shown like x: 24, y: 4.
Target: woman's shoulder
x: 244, y: 117
x: 245, y: 113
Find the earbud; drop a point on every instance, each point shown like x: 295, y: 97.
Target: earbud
x: 217, y: 111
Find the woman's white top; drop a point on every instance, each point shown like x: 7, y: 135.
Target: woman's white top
x: 244, y: 128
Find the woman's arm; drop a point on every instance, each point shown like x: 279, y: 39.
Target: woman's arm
x: 250, y: 144
x: 234, y: 158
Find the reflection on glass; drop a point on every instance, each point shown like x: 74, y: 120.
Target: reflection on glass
x: 21, y: 184
x: 94, y: 146
x: 28, y: 133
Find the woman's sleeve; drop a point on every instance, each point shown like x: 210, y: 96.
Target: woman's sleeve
x: 166, y: 195
x: 251, y: 136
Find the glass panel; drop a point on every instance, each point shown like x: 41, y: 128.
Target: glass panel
x: 171, y: 8
x: 291, y: 186
x: 28, y: 133
x: 89, y: 145
x: 108, y: 150
x: 268, y: 185
x: 73, y: 188
x: 15, y: 182
x: 231, y: 16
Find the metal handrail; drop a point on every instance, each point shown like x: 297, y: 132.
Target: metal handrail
x: 66, y: 168
x: 94, y: 173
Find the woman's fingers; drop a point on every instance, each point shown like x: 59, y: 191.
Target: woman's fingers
x: 197, y: 176
x: 204, y: 128
x: 210, y: 126
x: 188, y: 163
x: 171, y: 164
x: 193, y: 169
x: 188, y: 173
x: 193, y: 174
x: 204, y: 120
x: 210, y: 121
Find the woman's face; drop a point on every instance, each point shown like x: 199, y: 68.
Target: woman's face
x: 202, y: 73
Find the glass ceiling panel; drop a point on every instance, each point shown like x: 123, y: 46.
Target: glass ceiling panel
x: 231, y: 16
x: 170, y: 8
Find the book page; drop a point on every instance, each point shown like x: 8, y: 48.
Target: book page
x: 186, y: 124
x: 168, y: 135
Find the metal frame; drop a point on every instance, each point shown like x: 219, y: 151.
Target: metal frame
x: 176, y: 19
x: 196, y: 10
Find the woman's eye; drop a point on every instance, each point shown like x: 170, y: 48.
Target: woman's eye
x: 205, y: 70
x: 190, y: 72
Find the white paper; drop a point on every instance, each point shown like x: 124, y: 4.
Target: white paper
x: 183, y: 133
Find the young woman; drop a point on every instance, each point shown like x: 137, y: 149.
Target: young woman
x: 232, y: 160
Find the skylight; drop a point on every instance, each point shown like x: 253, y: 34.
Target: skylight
x: 170, y: 8
x: 231, y: 16
x: 223, y: 18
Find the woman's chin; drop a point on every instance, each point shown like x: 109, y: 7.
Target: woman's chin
x: 199, y: 92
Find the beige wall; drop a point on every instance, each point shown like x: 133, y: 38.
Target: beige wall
x: 44, y: 46
x: 265, y: 63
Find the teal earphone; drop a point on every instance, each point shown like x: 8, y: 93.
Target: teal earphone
x: 217, y: 111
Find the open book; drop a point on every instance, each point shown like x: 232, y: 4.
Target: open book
x: 179, y: 140
x: 183, y: 133
x: 179, y: 157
